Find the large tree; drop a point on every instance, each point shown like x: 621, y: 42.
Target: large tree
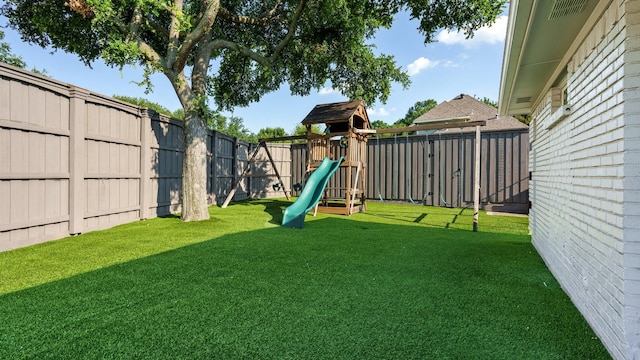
x: 234, y: 51
x: 415, y: 111
x: 270, y: 132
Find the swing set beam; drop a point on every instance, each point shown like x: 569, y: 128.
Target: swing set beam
x: 432, y: 127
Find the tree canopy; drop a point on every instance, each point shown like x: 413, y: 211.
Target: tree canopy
x: 259, y: 44
x: 490, y: 102
x: 144, y: 103
x: 379, y: 124
x: 270, y: 132
x: 7, y: 56
x: 235, y: 51
x: 302, y: 130
x: 415, y: 111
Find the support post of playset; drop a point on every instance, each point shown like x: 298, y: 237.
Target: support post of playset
x: 476, y: 182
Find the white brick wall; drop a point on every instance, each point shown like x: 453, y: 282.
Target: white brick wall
x: 631, y: 221
x: 585, y: 192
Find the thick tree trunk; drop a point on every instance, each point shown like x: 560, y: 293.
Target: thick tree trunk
x: 194, y: 170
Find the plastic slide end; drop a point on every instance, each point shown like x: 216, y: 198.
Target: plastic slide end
x: 295, y: 222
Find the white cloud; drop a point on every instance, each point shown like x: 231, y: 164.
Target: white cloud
x: 327, y: 91
x: 485, y: 35
x: 420, y: 64
x: 450, y: 63
x: 379, y: 112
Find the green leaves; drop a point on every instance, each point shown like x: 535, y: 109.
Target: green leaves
x: 270, y: 132
x: 53, y: 24
x: 465, y: 15
x: 6, y: 56
x: 119, y: 52
x: 416, y: 110
x: 241, y: 81
x: 239, y: 53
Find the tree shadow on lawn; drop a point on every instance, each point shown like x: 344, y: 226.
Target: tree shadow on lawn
x: 273, y: 207
x: 337, y: 289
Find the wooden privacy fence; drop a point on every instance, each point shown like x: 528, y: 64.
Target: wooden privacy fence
x: 438, y: 169
x: 72, y: 161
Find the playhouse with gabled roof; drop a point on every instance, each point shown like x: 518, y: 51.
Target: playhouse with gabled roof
x: 346, y: 123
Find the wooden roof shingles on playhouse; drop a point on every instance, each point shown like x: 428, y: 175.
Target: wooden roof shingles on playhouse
x: 467, y: 106
x: 340, y: 116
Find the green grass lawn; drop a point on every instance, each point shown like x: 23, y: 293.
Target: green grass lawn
x: 396, y: 282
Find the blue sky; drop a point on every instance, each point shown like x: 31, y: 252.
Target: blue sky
x: 440, y: 71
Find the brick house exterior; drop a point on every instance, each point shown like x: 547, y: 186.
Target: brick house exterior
x: 575, y: 67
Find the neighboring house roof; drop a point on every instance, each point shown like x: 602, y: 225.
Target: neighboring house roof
x: 467, y: 106
x: 540, y: 34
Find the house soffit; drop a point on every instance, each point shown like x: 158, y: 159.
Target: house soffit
x: 539, y: 36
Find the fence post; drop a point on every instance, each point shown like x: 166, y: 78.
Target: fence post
x: 145, y: 163
x: 234, y: 163
x: 214, y: 167
x: 77, y: 154
x: 476, y: 181
x: 252, y: 170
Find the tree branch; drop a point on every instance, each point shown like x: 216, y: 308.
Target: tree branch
x: 133, y: 31
x: 204, y: 25
x: 261, y: 59
x: 262, y: 20
x: 201, y: 66
x: 272, y: 11
x: 155, y: 27
x: 134, y: 25
x: 173, y: 44
x: 148, y: 52
x: 226, y: 44
x: 291, y: 29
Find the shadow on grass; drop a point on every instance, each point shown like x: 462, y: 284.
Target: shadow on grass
x: 452, y: 216
x: 337, y: 289
x: 273, y: 207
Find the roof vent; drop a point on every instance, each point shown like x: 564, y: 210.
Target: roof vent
x: 562, y: 8
x: 523, y: 100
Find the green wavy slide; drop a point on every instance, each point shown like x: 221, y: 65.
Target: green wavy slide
x: 311, y: 193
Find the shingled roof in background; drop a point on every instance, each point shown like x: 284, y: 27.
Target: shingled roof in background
x: 465, y: 105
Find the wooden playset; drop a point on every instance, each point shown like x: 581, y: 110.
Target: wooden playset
x: 347, y: 125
